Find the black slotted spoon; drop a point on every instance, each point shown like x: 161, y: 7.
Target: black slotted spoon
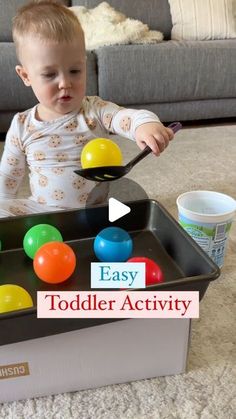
x: 109, y: 173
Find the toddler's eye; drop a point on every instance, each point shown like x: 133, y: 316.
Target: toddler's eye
x: 75, y: 71
x: 48, y: 75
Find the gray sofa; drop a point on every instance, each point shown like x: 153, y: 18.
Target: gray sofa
x: 179, y: 80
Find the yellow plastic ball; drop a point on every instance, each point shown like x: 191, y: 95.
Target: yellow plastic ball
x: 100, y: 152
x: 14, y: 297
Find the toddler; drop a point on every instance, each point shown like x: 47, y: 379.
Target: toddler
x: 49, y: 137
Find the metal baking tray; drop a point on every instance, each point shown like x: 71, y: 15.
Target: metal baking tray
x: 155, y: 235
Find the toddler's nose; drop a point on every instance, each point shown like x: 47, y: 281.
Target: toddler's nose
x: 64, y: 82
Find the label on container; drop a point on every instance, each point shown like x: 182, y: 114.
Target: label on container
x: 211, y: 237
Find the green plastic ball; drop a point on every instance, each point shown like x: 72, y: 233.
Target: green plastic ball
x: 38, y: 235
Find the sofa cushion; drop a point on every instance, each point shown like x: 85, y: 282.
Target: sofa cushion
x: 166, y: 72
x: 192, y: 110
x: 203, y: 20
x: 155, y: 13
x: 15, y: 95
x: 8, y: 10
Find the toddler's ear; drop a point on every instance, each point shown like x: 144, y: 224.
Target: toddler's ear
x: 23, y: 74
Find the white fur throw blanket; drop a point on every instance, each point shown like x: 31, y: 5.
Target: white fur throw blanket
x: 103, y: 25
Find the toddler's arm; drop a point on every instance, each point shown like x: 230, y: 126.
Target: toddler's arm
x: 12, y: 165
x: 142, y: 126
x: 155, y: 135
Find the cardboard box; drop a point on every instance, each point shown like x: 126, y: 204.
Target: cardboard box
x: 111, y: 353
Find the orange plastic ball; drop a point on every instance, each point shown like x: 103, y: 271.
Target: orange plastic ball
x: 54, y: 262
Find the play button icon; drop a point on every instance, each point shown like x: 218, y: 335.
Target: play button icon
x: 115, y: 204
x: 116, y: 209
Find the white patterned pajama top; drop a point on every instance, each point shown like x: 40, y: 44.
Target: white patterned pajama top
x: 51, y: 150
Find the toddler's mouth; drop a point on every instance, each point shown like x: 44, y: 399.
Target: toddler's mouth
x: 65, y: 98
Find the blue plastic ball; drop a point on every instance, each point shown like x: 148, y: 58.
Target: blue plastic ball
x: 113, y: 244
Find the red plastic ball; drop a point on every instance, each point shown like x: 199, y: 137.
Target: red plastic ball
x: 54, y: 262
x: 154, y: 274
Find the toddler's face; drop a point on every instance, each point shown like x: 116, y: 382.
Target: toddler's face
x: 57, y: 74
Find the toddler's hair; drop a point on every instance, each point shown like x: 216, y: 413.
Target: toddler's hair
x: 46, y: 19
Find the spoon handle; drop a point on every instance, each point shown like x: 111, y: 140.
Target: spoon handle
x: 139, y: 157
x: 175, y: 126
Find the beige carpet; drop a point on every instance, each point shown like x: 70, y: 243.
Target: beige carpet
x: 199, y: 158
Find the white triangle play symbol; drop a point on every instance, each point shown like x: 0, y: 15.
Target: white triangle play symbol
x: 116, y: 209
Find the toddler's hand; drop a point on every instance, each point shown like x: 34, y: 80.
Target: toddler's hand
x: 155, y: 135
